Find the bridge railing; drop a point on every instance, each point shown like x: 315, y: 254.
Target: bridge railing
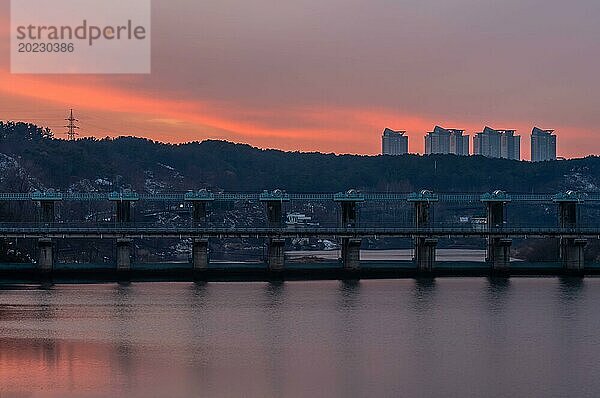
x: 70, y: 228
x: 229, y: 196
x: 329, y: 225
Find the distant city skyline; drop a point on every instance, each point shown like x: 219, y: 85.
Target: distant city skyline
x: 394, y: 142
x: 497, y: 143
x: 335, y: 73
x: 543, y: 145
x: 489, y: 142
x: 446, y: 141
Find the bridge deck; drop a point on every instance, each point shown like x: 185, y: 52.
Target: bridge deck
x: 230, y: 196
x: 239, y: 232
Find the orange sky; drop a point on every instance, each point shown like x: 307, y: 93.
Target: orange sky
x: 289, y: 86
x: 123, y: 112
x: 109, y: 111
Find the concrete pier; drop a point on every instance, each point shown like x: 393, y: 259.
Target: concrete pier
x: 47, y: 204
x: 124, y: 249
x: 568, y: 208
x: 47, y: 211
x: 200, y: 254
x: 123, y: 211
x: 425, y: 254
x: 274, y: 214
x: 495, y: 214
x: 199, y: 203
x: 45, y: 255
x: 571, y: 249
x: 275, y: 246
x: 348, y: 215
x: 276, y: 254
x: 497, y: 248
x: 422, y: 202
x: 351, y: 253
x: 498, y: 254
x: 572, y: 255
x: 274, y: 206
x: 567, y: 214
x: 123, y: 202
x: 350, y: 256
x: 494, y: 204
x: 198, y: 212
x: 348, y: 201
x: 421, y: 214
x: 425, y: 247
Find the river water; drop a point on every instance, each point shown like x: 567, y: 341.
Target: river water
x: 449, y: 337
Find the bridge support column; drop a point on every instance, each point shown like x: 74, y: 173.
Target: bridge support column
x: 498, y: 249
x: 351, y: 253
x: 47, y: 211
x: 348, y: 215
x: 123, y: 201
x: 568, y: 208
x: 424, y: 247
x: 421, y: 214
x: 123, y: 211
x: 198, y: 212
x: 199, y: 200
x: 276, y: 254
x: 571, y: 249
x: 45, y: 255
x: 572, y: 255
x: 274, y: 205
x: 349, y: 201
x: 275, y: 246
x: 498, y: 254
x: 274, y: 213
x: 494, y: 204
x: 567, y: 214
x: 348, y: 205
x: 200, y: 254
x: 495, y: 214
x: 422, y: 202
x: 124, y: 255
x: 425, y: 254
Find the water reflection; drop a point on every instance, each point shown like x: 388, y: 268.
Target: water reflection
x: 274, y: 293
x: 59, y: 367
x: 274, y: 332
x: 199, y: 298
x: 570, y: 288
x: 349, y: 336
x: 423, y: 295
x: 570, y: 292
x: 349, y: 295
x: 427, y: 338
x: 123, y: 352
x: 497, y: 294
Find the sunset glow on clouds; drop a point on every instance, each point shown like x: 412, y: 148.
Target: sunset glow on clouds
x: 175, y: 121
x: 329, y: 77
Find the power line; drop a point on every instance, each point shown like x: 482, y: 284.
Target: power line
x: 71, y: 133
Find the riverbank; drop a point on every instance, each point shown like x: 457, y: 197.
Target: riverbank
x: 244, y: 272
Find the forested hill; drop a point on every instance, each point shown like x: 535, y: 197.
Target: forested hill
x: 31, y: 158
